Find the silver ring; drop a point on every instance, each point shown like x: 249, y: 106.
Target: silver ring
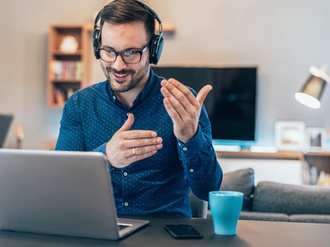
x: 133, y: 151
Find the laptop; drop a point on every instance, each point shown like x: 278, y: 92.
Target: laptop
x: 60, y: 192
x: 5, y: 121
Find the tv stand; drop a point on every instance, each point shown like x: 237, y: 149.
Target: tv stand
x: 282, y: 166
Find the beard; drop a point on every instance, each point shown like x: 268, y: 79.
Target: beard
x: 132, y: 81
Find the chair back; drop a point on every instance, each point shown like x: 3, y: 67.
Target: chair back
x: 198, y: 206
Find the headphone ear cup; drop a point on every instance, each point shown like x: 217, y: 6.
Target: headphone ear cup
x: 96, y: 42
x: 156, y: 48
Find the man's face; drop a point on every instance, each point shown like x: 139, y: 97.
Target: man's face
x: 121, y: 76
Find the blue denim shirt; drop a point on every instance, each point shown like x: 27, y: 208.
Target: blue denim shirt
x: 160, y: 184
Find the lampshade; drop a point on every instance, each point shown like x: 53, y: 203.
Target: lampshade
x: 311, y: 92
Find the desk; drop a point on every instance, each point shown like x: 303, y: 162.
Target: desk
x: 249, y: 233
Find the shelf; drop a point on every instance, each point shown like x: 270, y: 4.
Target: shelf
x: 246, y: 154
x: 167, y: 28
x: 67, y: 62
x: 318, y: 159
x: 318, y: 153
x: 61, y: 53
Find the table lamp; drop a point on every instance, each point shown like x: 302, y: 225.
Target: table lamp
x: 311, y: 92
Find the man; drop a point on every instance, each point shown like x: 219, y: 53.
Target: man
x: 155, y: 133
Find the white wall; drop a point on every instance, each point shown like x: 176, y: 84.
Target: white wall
x: 24, y: 30
x: 283, y: 38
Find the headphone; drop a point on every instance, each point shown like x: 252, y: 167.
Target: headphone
x: 156, y: 43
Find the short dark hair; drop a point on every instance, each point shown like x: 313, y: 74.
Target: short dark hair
x: 126, y: 11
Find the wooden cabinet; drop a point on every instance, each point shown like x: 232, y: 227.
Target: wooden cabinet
x: 245, y: 154
x: 67, y: 62
x: 319, y: 160
x: 281, y: 167
x: 285, y: 161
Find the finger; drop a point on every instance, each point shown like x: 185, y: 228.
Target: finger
x: 173, y: 98
x: 172, y: 111
x: 177, y: 103
x: 141, y: 150
x: 181, y: 92
x: 138, y: 157
x: 201, y: 96
x: 135, y: 134
x: 139, y: 134
x: 128, y: 123
x: 144, y: 144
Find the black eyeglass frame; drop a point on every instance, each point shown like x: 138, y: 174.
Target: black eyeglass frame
x: 122, y: 52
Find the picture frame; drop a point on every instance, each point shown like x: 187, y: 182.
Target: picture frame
x: 315, y: 138
x: 290, y: 135
x: 327, y: 138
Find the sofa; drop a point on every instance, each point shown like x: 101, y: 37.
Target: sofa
x: 272, y: 201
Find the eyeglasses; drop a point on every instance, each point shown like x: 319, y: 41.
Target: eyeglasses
x: 129, y: 56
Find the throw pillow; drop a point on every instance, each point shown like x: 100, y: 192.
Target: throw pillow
x: 243, y: 181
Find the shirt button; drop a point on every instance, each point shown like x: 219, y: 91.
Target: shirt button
x: 126, y: 204
x: 185, y: 149
x: 191, y: 170
x: 125, y: 174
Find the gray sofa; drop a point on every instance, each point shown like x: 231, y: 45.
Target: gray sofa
x: 272, y: 201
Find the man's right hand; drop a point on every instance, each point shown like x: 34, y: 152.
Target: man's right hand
x: 127, y: 146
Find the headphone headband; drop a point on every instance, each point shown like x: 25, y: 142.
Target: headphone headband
x: 156, y: 44
x: 155, y: 15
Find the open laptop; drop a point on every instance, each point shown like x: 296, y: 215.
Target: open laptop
x: 59, y: 192
x: 5, y: 121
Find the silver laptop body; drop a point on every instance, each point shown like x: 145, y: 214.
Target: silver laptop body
x: 59, y: 192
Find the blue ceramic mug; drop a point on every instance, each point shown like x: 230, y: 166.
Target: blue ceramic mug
x: 225, y: 207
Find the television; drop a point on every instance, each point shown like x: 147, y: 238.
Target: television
x: 231, y: 105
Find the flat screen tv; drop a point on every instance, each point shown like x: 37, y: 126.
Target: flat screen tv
x: 231, y: 105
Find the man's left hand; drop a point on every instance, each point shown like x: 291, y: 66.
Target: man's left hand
x: 183, y: 107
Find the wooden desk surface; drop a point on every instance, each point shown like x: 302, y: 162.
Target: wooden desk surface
x: 249, y: 233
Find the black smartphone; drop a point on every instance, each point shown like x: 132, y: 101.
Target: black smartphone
x: 182, y: 231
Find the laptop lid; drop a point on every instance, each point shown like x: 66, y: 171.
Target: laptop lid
x: 59, y: 192
x: 5, y: 121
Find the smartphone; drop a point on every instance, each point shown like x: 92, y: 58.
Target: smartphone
x: 182, y: 231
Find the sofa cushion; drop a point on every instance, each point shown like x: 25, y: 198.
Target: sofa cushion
x: 240, y: 180
x: 291, y: 199
x: 245, y: 215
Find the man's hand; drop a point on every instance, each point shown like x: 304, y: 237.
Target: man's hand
x: 183, y: 108
x: 127, y: 146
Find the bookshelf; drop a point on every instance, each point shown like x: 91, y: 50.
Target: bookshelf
x: 67, y: 62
